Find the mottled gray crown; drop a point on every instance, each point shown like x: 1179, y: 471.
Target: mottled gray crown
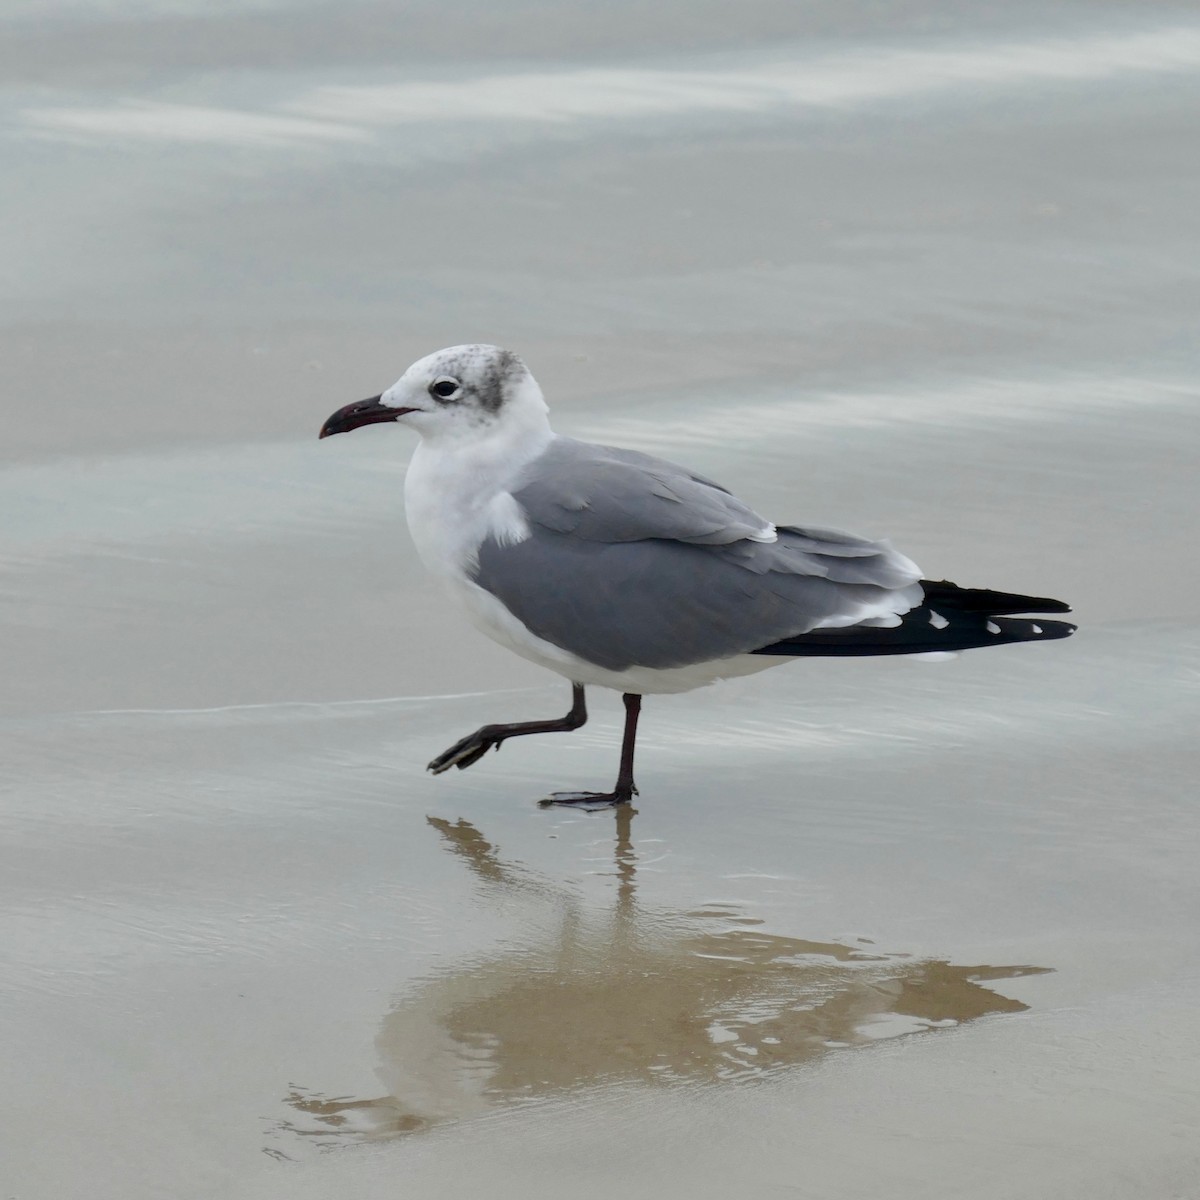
x: 486, y: 373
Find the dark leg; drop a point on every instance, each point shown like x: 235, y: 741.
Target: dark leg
x: 625, y: 789
x: 475, y: 745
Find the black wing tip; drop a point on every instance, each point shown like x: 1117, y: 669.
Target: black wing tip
x: 1047, y: 630
x: 917, y: 635
x: 951, y: 618
x: 1046, y: 605
x: 986, y: 600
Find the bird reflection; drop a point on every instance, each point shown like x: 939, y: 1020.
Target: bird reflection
x: 632, y: 996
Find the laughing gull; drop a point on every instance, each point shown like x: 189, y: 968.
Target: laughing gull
x: 629, y: 572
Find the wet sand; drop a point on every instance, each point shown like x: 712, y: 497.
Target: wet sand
x: 873, y: 927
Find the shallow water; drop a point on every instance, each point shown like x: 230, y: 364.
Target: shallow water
x: 873, y: 926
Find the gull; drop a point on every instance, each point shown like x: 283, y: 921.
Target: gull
x: 620, y: 570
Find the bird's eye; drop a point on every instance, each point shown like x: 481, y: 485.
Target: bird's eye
x: 445, y: 388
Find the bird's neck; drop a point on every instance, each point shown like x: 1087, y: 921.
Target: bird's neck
x: 457, y: 492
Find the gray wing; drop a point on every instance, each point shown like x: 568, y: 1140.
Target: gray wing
x: 633, y: 561
x: 606, y: 494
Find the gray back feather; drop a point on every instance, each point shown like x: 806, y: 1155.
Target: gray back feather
x: 605, y: 494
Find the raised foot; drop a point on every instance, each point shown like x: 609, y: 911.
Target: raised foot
x: 589, y: 801
x: 466, y: 751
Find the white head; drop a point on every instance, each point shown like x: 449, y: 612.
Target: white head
x: 462, y: 393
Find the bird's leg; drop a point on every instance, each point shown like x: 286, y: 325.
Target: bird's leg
x: 625, y: 789
x: 475, y: 745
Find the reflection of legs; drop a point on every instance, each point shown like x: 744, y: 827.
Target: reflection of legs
x: 470, y: 845
x: 465, y: 842
x: 475, y: 745
x: 625, y: 789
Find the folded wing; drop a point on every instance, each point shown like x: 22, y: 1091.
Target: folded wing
x: 634, y: 561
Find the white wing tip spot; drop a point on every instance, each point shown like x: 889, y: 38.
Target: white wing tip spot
x: 992, y: 627
x: 1037, y: 629
x: 937, y: 620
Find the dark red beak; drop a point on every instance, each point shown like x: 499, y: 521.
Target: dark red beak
x: 365, y: 412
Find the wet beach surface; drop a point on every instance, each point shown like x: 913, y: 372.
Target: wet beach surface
x: 875, y: 926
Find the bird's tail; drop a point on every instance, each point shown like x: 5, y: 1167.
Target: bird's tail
x: 949, y: 618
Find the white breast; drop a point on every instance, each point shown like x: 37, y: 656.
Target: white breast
x: 454, y: 498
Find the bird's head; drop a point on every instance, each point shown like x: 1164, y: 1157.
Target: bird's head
x: 462, y: 392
